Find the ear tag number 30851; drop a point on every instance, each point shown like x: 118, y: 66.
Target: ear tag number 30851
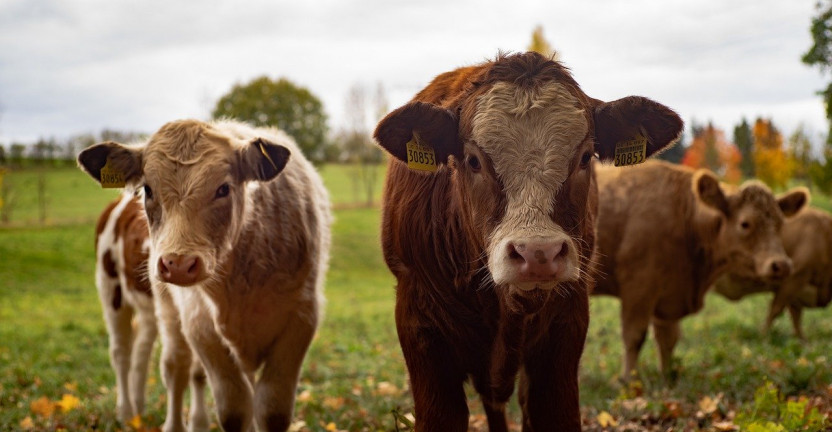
x: 420, y: 157
x: 110, y: 177
x: 631, y: 151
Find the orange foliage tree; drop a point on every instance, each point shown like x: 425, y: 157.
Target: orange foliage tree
x: 771, y: 162
x: 710, y: 149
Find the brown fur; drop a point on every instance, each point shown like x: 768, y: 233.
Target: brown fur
x: 453, y: 321
x: 807, y: 238
x: 665, y: 233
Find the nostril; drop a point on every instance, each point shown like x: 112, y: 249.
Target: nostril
x: 564, y: 251
x: 194, y: 267
x: 513, y: 254
x: 162, y: 267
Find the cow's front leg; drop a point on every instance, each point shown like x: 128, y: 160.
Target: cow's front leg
x: 796, y: 312
x: 274, y: 392
x: 121, y: 337
x: 230, y: 386
x: 778, y: 304
x: 198, y: 418
x: 635, y: 320
x: 175, y: 360
x: 140, y: 360
x: 436, y: 381
x: 548, y: 389
x: 667, y: 335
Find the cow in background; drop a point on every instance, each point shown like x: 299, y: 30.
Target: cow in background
x: 807, y: 239
x: 666, y: 232
x: 121, y: 249
x: 488, y: 226
x: 239, y: 242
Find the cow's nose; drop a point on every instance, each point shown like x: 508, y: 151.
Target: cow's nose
x: 180, y: 269
x: 779, y: 268
x: 538, y: 261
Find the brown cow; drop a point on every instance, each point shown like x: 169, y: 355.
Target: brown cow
x: 122, y: 246
x: 239, y: 235
x: 807, y: 238
x: 665, y: 233
x: 491, y: 249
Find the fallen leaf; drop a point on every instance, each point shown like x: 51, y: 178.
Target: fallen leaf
x: 305, y: 396
x: 673, y: 409
x: 385, y: 388
x: 136, y: 421
x: 333, y: 403
x: 606, y: 420
x: 71, y: 386
x: 331, y: 427
x: 27, y: 423
x: 42, y: 406
x: 725, y: 426
x: 708, y: 405
x: 68, y: 403
x: 297, y: 426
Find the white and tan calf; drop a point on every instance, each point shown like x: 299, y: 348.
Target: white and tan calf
x: 239, y: 239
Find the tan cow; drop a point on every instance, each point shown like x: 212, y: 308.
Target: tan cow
x: 807, y: 238
x: 666, y: 232
x: 488, y: 226
x: 239, y: 234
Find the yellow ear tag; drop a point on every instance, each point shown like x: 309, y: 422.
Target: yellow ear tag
x: 420, y: 157
x: 631, y: 152
x: 269, y: 158
x: 110, y: 177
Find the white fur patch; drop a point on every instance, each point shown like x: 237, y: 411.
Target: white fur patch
x: 531, y: 135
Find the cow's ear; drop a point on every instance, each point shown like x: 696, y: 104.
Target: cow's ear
x: 793, y: 201
x: 635, y: 119
x: 112, y: 164
x: 707, y: 189
x: 262, y: 160
x: 424, y: 124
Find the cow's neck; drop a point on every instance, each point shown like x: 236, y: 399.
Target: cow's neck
x: 711, y: 254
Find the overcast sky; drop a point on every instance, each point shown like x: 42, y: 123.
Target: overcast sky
x: 75, y: 66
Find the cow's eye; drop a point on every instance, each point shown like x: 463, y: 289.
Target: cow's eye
x: 745, y: 225
x: 585, y: 159
x: 222, y: 191
x: 474, y: 163
x: 148, y: 193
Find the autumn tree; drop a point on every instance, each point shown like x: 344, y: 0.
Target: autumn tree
x: 539, y: 44
x: 675, y: 152
x: 771, y: 163
x: 282, y: 104
x: 820, y: 56
x: 820, y: 53
x: 800, y: 153
x: 745, y: 144
x: 710, y: 149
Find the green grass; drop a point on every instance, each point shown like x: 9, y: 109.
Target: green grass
x: 53, y: 341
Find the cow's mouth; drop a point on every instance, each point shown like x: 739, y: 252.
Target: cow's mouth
x: 536, y: 285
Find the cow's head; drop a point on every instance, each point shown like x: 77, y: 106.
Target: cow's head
x: 519, y: 141
x: 750, y: 222
x: 194, y: 178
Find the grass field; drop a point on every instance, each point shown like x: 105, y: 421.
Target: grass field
x: 55, y: 372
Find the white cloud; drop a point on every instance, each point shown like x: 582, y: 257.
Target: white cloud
x: 74, y: 66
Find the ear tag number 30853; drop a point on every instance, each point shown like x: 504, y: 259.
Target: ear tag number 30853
x: 420, y: 157
x: 631, y: 151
